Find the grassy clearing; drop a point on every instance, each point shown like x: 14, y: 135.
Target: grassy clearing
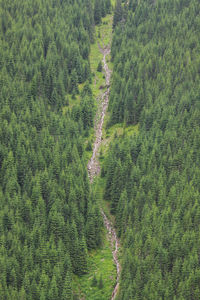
x: 72, y: 101
x: 100, y: 264
x: 103, y: 36
x: 104, y: 31
x: 116, y: 131
x: 113, y: 2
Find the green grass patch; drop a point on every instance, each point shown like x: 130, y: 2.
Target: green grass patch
x: 101, y: 265
x: 95, y: 57
x: 103, y: 37
x: 104, y: 31
x: 132, y: 129
x: 73, y: 100
x: 98, y: 80
x: 113, y: 2
x: 116, y: 131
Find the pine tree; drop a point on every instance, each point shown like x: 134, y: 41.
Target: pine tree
x: 97, y: 12
x: 99, y: 68
x: 53, y: 291
x: 103, y: 9
x: 100, y: 285
x: 94, y: 281
x: 67, y: 289
x: 90, y: 234
x: 118, y: 13
x: 82, y: 257
x: 116, y: 187
x: 108, y: 6
x: 74, y: 83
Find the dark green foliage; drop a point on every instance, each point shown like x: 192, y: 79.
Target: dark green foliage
x: 100, y: 285
x: 87, y: 112
x: 97, y: 11
x: 108, y: 6
x: 152, y: 178
x: 94, y: 222
x: 89, y: 146
x: 74, y: 83
x: 94, y: 281
x: 141, y: 61
x: 99, y: 68
x: 101, y: 8
x: 118, y: 13
x: 67, y: 290
x: 44, y: 187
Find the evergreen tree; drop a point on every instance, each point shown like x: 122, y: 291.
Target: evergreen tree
x: 118, y: 13
x: 94, y: 281
x: 82, y: 257
x: 97, y: 11
x: 42, y: 234
x: 53, y: 291
x: 67, y: 289
x: 100, y: 285
x: 99, y: 68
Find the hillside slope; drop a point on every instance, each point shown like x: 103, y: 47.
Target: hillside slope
x: 47, y: 215
x: 152, y: 177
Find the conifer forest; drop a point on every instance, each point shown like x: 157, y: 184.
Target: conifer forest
x: 100, y: 150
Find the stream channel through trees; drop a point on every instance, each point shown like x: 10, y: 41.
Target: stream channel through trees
x: 94, y: 166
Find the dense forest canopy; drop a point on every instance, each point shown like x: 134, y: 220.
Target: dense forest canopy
x: 48, y: 218
x: 152, y: 178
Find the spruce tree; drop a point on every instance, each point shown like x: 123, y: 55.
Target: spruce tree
x: 67, y: 289
x: 94, y: 281
x: 118, y: 13
x: 100, y: 285
x: 99, y: 68
x: 97, y: 11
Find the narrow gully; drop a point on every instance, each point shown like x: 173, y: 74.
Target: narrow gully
x: 94, y: 166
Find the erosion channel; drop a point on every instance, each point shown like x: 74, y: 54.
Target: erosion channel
x: 94, y: 166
